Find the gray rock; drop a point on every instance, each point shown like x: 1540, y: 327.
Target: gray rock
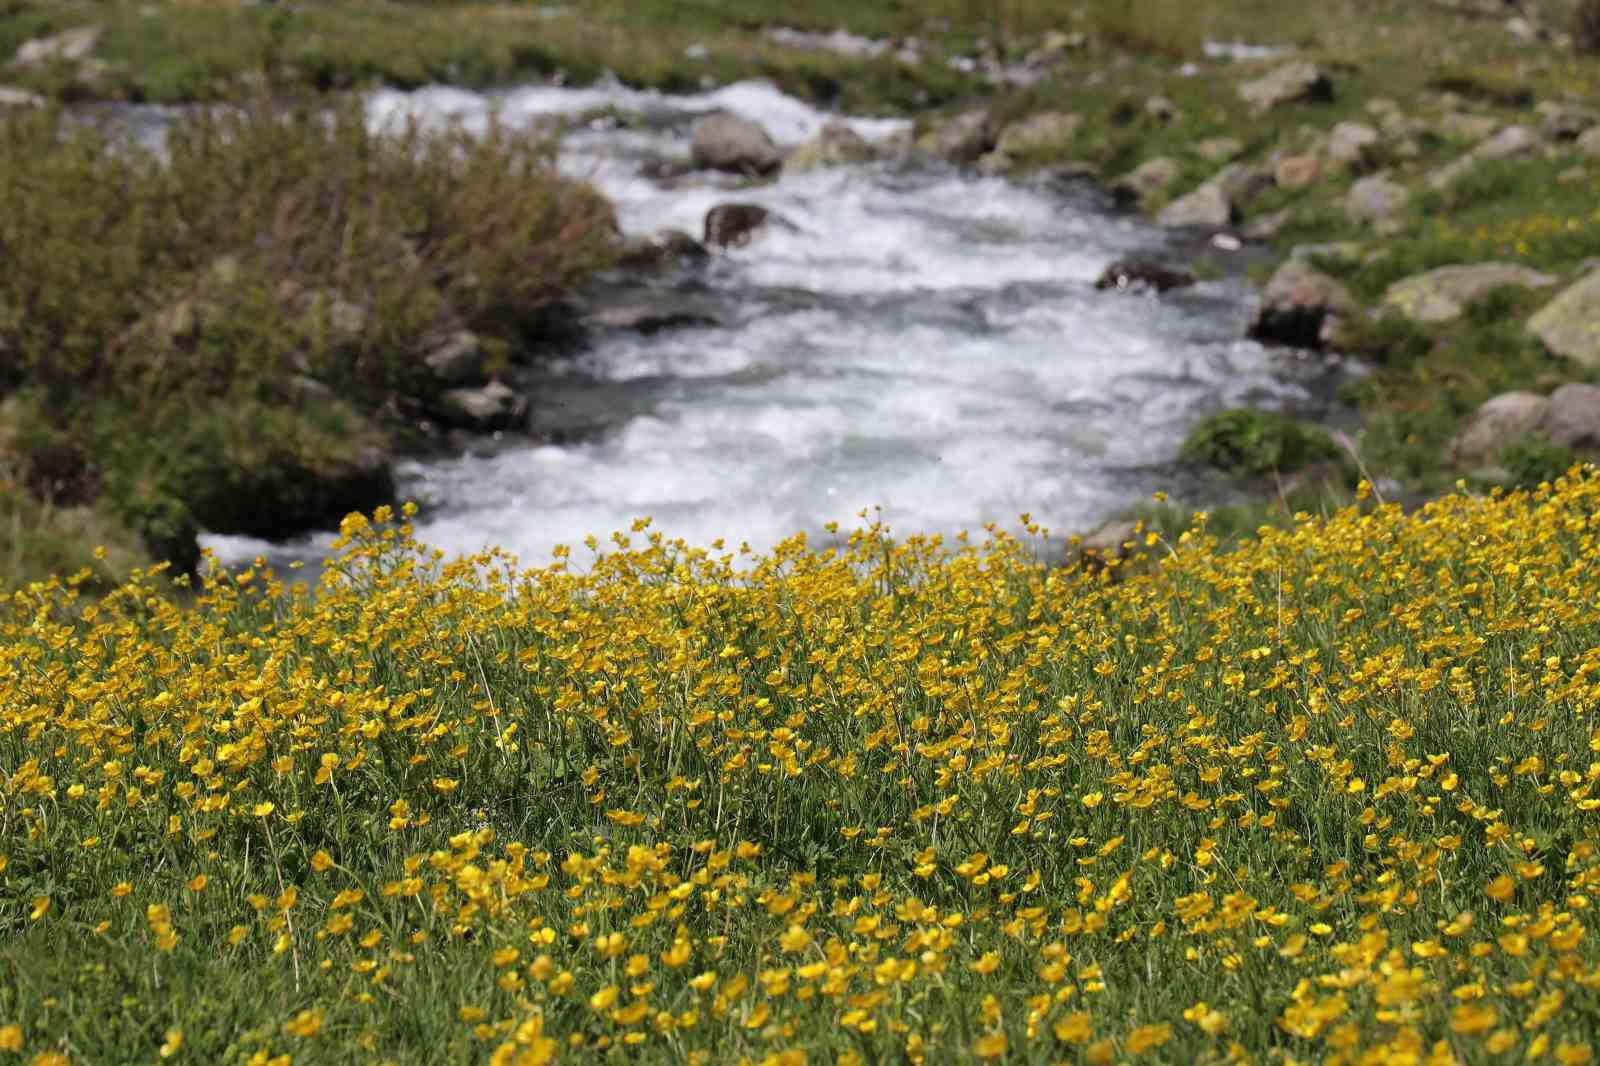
x: 69, y: 46
x: 1290, y: 83
x: 652, y: 315
x: 1497, y: 423
x: 1573, y: 417
x: 1513, y: 142
x: 1565, y: 122
x: 1589, y: 142
x: 1295, y: 304
x: 1441, y: 178
x: 725, y: 141
x: 665, y: 249
x: 1242, y: 182
x: 1112, y: 540
x: 1219, y: 149
x: 1377, y: 202
x: 1351, y: 146
x: 1137, y: 274
x: 488, y: 407
x: 834, y: 145
x: 734, y: 225
x: 1569, y: 325
x: 1443, y: 294
x: 961, y: 139
x: 1207, y: 205
x: 13, y: 99
x: 1046, y: 130
x: 1147, y: 180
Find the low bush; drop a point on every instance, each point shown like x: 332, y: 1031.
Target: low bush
x: 264, y: 254
x: 1246, y: 441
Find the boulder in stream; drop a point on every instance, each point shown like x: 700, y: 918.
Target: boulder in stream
x: 1140, y: 274
x: 1298, y: 303
x: 725, y: 141
x: 736, y: 225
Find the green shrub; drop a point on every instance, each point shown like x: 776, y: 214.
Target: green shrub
x: 272, y: 253
x: 1532, y: 460
x: 1247, y: 441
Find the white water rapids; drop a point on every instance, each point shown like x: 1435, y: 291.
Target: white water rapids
x: 926, y: 341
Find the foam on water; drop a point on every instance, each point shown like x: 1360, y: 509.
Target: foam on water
x: 923, y: 341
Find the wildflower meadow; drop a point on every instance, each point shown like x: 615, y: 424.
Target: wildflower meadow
x: 1326, y: 797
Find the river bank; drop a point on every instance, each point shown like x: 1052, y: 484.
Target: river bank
x: 1307, y: 137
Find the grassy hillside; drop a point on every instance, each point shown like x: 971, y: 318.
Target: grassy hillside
x: 1329, y: 797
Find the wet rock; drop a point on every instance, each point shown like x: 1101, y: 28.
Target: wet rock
x: 484, y: 409
x: 1443, y: 294
x: 725, y: 141
x: 1146, y: 181
x: 668, y: 248
x: 1219, y: 149
x: 1351, y: 146
x: 734, y: 225
x: 1290, y: 83
x: 1297, y: 302
x: 1207, y: 205
x: 69, y: 46
x: 1573, y: 417
x: 1042, y: 132
x: 1569, y: 325
x: 961, y: 139
x: 661, y: 312
x: 1143, y: 274
x: 834, y: 145
x: 1377, y: 202
x: 1501, y: 420
x: 1297, y: 171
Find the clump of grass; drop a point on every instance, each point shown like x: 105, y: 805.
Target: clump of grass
x: 1249, y: 441
x: 1532, y: 461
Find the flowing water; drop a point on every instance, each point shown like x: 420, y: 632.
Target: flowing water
x: 924, y: 344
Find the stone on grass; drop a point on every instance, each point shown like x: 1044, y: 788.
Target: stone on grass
x: 1443, y: 294
x: 1290, y: 83
x: 1501, y: 420
x: 1569, y: 325
x: 1513, y: 142
x: 1207, y: 205
x: 1378, y: 202
x: 1573, y: 418
x: 1041, y: 132
x: 1565, y: 122
x: 1589, y: 142
x: 1351, y: 145
x: 1460, y: 126
x: 13, y: 99
x: 1219, y: 149
x: 961, y: 139
x: 1297, y: 171
x: 68, y: 46
x: 1147, y: 180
